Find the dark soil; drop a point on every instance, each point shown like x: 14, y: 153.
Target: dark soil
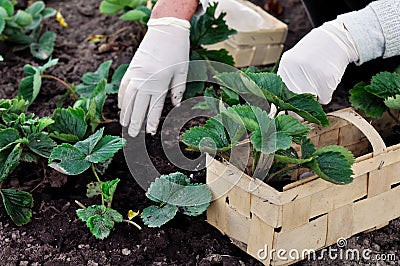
x: 55, y: 236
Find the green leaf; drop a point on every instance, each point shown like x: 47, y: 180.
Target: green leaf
x: 195, y: 210
x: 133, y: 15
x: 372, y: 105
x: 384, y: 84
x: 22, y: 18
x: 291, y: 126
x: 212, y: 136
x: 42, y: 123
x: 307, y: 148
x: 2, y: 25
x: 69, y: 122
x: 268, y: 81
x: 333, y: 167
x: 105, y: 149
x: 108, y: 188
x: 41, y: 144
x: 234, y: 82
x: 35, y: 23
x: 167, y: 191
x: 18, y: 205
x: 155, y: 216
x: 7, y: 136
x: 88, y: 145
x: 99, y: 219
x: 307, y: 106
x: 91, y: 80
x: 243, y: 115
x: 108, y: 8
x: 30, y: 70
x: 8, y: 6
x: 338, y: 149
x: 44, y: 48
x: 116, y: 78
x: 93, y: 189
x: 145, y: 10
x: 393, y: 102
x: 28, y: 157
x: 9, y: 161
x: 96, y: 105
x: 268, y: 140
x: 209, y: 29
x: 36, y: 8
x: 68, y: 160
x: 221, y: 55
x: 29, y: 87
x: 48, y: 12
x: 50, y: 63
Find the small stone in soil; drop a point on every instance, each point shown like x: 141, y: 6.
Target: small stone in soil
x: 126, y: 252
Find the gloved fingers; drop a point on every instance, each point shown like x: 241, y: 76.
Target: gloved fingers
x: 138, y: 114
x: 122, y: 87
x: 154, y: 114
x: 178, y: 84
x: 127, y: 101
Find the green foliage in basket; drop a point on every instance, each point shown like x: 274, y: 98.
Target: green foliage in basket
x: 270, y: 135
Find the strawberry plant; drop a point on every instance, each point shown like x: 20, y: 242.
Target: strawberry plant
x: 31, y: 84
x: 27, y: 138
x: 22, y: 139
x: 174, y: 193
x: 23, y: 28
x: 89, y: 96
x: 380, y: 95
x: 91, y: 153
x: 270, y: 137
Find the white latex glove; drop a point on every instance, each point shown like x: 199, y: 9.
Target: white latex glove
x: 159, y: 64
x: 316, y: 64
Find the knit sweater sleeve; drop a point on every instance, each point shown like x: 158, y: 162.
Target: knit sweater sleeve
x: 375, y: 29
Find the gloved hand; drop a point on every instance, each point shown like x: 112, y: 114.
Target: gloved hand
x: 159, y: 64
x: 316, y: 64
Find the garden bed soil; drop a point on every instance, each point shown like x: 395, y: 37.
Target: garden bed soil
x: 55, y: 236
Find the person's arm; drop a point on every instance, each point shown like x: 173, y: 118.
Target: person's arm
x: 375, y: 29
x: 182, y: 9
x: 317, y: 62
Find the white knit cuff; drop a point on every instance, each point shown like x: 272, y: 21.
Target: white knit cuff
x: 388, y: 14
x: 364, y: 28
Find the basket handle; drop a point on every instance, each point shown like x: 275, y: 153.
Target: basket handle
x: 348, y: 114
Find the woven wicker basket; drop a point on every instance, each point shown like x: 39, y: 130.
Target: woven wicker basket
x: 311, y: 214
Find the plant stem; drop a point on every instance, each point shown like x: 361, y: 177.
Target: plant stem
x: 98, y: 181
x: 256, y: 158
x: 80, y: 204
x: 133, y: 223
x: 392, y: 116
x: 286, y: 169
x: 66, y: 85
